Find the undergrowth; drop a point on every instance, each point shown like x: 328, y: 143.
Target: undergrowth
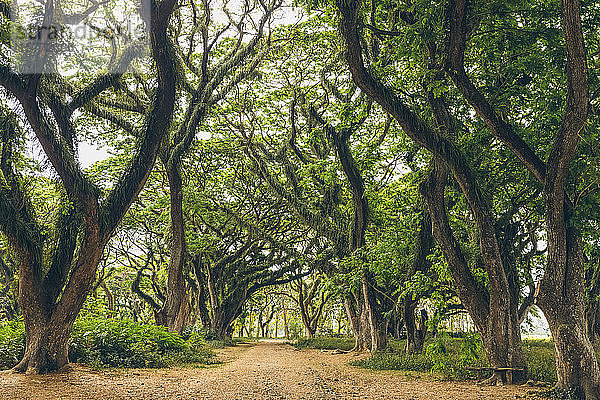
x: 446, y: 357
x: 115, y: 343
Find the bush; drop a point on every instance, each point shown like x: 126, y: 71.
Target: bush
x: 12, y: 343
x: 113, y: 343
x: 210, y: 337
x: 122, y: 343
x: 325, y: 343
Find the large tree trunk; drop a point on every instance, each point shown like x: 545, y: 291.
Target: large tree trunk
x: 172, y: 313
x: 415, y: 336
x: 373, y: 322
x: 562, y: 288
x: 494, y: 312
x: 46, y: 346
x: 201, y: 297
x: 376, y: 323
x: 576, y: 363
x: 48, y: 323
x: 357, y: 317
x: 561, y: 294
x: 592, y: 319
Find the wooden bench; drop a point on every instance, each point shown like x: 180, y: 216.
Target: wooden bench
x: 507, y: 372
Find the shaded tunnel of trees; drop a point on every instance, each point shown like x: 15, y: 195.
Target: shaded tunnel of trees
x: 344, y: 167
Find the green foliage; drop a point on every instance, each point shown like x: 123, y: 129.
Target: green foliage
x: 448, y: 357
x: 325, y: 343
x: 539, y: 354
x: 199, y: 336
x: 114, y: 343
x: 12, y: 343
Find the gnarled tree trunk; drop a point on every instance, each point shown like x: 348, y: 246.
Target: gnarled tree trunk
x: 172, y: 314
x: 415, y: 336
x: 494, y: 312
x: 359, y: 324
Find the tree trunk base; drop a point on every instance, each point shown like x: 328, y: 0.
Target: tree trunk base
x: 494, y: 380
x: 47, y: 349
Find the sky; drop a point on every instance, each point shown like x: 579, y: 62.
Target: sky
x: 89, y: 154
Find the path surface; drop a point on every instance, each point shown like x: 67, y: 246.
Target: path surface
x: 267, y: 370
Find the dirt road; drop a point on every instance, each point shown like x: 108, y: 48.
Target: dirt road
x: 266, y: 370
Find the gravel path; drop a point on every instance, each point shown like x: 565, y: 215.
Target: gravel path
x: 267, y: 370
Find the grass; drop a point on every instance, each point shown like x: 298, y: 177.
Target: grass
x: 539, y: 354
x: 325, y: 343
x: 445, y: 357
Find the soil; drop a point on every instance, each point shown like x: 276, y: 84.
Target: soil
x: 265, y: 370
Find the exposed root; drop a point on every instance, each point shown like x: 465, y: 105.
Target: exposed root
x: 340, y: 351
x: 9, y: 372
x: 494, y: 380
x: 21, y: 367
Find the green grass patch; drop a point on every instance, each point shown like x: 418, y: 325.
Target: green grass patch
x: 115, y: 344
x: 539, y: 354
x: 448, y: 358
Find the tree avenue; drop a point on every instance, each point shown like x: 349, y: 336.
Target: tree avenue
x: 403, y: 173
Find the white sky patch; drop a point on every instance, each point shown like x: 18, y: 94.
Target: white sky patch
x: 89, y: 154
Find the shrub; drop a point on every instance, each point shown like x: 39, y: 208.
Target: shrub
x: 210, y: 337
x: 12, y: 343
x: 123, y: 343
x: 325, y: 343
x: 113, y: 343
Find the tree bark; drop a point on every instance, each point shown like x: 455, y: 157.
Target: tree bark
x: 358, y: 320
x: 497, y: 307
x: 561, y: 294
x: 495, y: 313
x: 46, y: 346
x: 376, y: 322
x: 172, y: 313
x: 576, y: 364
x: 50, y: 303
x: 415, y: 337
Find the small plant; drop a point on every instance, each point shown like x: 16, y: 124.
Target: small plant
x: 12, y: 343
x: 208, y: 336
x: 560, y: 394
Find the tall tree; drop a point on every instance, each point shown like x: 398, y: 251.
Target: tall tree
x: 495, y: 311
x: 218, y: 71
x: 52, y: 289
x: 562, y: 288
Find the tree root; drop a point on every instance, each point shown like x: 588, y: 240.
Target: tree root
x: 494, y: 380
x: 340, y: 351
